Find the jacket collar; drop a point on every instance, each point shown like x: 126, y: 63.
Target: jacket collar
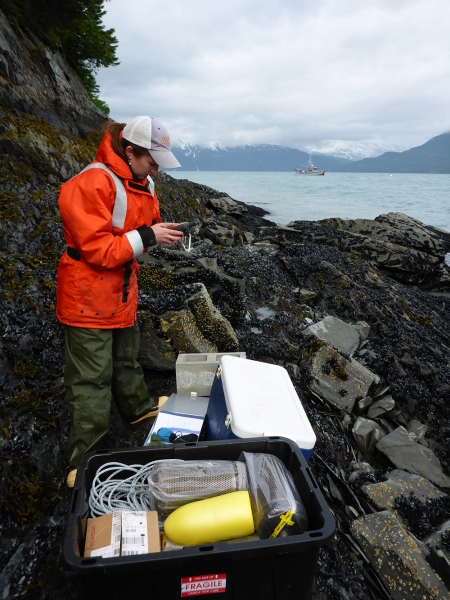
x: 106, y: 155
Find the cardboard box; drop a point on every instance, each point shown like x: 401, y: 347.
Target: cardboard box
x: 122, y: 534
x: 140, y: 533
x: 103, y: 535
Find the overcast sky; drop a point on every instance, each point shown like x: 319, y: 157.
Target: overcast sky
x: 372, y: 75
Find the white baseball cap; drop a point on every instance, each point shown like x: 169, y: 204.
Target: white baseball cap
x: 150, y: 134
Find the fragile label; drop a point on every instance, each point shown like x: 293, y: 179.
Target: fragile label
x: 201, y: 585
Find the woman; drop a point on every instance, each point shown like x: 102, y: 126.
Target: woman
x: 110, y: 216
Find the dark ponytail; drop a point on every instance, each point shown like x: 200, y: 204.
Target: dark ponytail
x: 118, y: 143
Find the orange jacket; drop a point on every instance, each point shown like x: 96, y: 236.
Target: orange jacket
x: 97, y: 285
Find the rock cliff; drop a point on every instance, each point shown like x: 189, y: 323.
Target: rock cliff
x: 40, y: 82
x: 356, y: 311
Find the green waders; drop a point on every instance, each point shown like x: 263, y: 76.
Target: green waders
x: 101, y: 363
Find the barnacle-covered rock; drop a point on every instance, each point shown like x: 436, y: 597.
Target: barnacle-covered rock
x: 211, y: 323
x: 400, y: 483
x: 181, y: 329
x: 397, y: 558
x: 336, y: 377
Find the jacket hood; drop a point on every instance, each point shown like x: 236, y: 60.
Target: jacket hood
x: 106, y: 155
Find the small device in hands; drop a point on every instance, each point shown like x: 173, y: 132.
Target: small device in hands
x: 187, y: 227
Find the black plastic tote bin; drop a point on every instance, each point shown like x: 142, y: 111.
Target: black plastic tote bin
x: 281, y: 569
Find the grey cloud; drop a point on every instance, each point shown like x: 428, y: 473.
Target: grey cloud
x: 290, y: 72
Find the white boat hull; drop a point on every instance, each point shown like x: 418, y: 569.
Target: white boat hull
x: 309, y: 173
x: 311, y: 169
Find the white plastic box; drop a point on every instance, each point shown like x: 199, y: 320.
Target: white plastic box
x: 195, y: 372
x: 253, y: 399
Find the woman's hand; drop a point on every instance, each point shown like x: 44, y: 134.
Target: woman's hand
x: 164, y: 233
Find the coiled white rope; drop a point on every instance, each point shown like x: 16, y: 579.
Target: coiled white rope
x: 122, y: 494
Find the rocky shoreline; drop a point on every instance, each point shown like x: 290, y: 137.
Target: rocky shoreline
x: 356, y: 311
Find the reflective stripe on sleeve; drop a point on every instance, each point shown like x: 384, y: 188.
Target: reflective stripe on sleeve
x: 136, y: 242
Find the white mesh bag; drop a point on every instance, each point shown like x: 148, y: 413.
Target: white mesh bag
x: 173, y: 484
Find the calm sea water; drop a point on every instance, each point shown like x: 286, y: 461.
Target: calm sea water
x: 290, y: 197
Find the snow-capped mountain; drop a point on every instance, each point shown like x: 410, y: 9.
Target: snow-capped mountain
x: 251, y: 157
x: 338, y: 155
x: 349, y: 150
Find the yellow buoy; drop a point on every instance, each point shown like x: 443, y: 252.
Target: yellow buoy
x: 212, y: 520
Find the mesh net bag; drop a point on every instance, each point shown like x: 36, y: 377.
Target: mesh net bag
x: 277, y: 508
x: 173, y: 484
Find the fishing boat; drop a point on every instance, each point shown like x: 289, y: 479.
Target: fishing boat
x: 310, y: 169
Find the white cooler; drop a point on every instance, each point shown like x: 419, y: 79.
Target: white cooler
x: 253, y: 399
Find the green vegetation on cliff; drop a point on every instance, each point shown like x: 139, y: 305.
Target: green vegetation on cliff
x: 75, y: 28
